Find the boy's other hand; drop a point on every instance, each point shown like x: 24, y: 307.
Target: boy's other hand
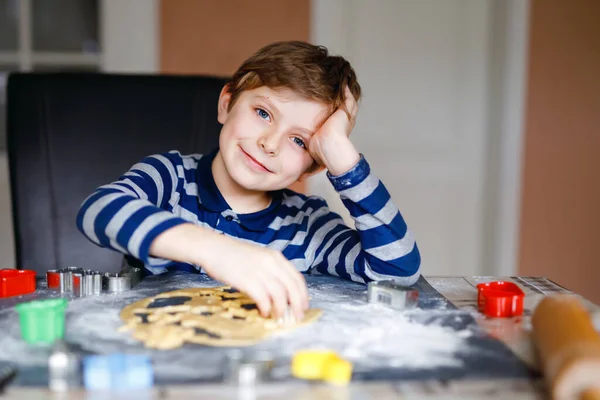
x: 263, y: 274
x: 330, y: 145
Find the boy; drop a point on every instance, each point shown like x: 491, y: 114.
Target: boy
x: 286, y: 114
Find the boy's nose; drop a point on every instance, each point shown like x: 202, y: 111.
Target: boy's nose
x: 269, y: 143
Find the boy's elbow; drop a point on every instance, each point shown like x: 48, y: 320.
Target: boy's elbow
x: 404, y: 271
x: 413, y: 266
x: 79, y: 218
x: 416, y: 261
x: 412, y: 279
x: 411, y: 271
x: 409, y: 268
x: 81, y: 228
x: 97, y: 201
x: 83, y: 222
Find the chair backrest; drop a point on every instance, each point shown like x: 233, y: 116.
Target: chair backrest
x: 69, y: 133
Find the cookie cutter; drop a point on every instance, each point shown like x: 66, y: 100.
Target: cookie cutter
x: 248, y: 370
x: 65, y: 278
x: 500, y: 299
x: 53, y: 279
x: 42, y: 321
x: 87, y: 283
x: 287, y: 319
x: 59, y: 278
x: 121, y: 281
x: 15, y: 282
x: 63, y: 368
x: 117, y: 372
x: 392, y: 294
x: 113, y: 282
x: 135, y: 273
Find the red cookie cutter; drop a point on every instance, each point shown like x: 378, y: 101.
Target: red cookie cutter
x: 53, y: 279
x: 500, y: 299
x: 15, y: 282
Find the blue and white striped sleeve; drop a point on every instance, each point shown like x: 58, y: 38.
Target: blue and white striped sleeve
x: 381, y: 247
x: 128, y: 214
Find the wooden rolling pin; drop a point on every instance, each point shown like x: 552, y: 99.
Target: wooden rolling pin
x: 568, y: 348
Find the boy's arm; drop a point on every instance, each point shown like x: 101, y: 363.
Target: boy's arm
x: 262, y: 273
x: 381, y: 247
x: 128, y: 214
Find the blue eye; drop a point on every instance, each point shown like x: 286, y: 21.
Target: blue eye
x: 299, y: 142
x: 263, y: 114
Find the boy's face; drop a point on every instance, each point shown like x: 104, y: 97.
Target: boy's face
x: 265, y: 136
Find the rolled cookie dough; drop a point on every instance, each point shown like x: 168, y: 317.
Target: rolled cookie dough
x: 219, y: 316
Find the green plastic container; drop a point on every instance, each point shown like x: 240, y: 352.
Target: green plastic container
x: 42, y: 321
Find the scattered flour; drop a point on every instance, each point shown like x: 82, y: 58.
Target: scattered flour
x: 371, y: 336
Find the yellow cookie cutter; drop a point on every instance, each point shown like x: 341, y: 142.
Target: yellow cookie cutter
x: 323, y: 365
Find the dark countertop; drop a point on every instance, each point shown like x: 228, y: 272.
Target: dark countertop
x: 435, y: 342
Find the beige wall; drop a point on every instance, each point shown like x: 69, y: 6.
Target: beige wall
x: 560, y: 215
x: 214, y: 37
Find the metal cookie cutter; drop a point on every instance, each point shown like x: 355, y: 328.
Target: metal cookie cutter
x: 70, y: 279
x: 392, y: 294
x: 65, y: 278
x: 122, y: 281
x: 288, y: 319
x: 63, y: 368
x: 135, y: 273
x: 248, y: 370
x: 87, y: 283
x: 53, y: 279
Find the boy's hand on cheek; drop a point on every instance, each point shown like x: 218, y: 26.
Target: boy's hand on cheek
x: 330, y: 145
x: 263, y: 274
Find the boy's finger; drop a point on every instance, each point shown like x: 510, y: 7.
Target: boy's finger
x: 261, y: 298
x: 297, y: 279
x: 296, y: 294
x: 301, y: 284
x: 316, y: 157
x: 279, y: 297
x: 352, y: 107
x: 304, y: 288
x: 351, y: 103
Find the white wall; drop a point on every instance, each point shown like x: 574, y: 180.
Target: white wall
x: 440, y: 120
x: 506, y: 104
x: 422, y: 123
x: 130, y: 36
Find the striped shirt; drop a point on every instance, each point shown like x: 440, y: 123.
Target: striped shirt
x: 166, y: 190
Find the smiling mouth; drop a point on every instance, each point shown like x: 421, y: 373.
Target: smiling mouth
x: 256, y: 161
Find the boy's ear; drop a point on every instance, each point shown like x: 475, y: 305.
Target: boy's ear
x: 223, y: 106
x: 310, y: 172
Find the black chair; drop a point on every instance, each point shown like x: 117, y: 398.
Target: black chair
x: 69, y: 133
